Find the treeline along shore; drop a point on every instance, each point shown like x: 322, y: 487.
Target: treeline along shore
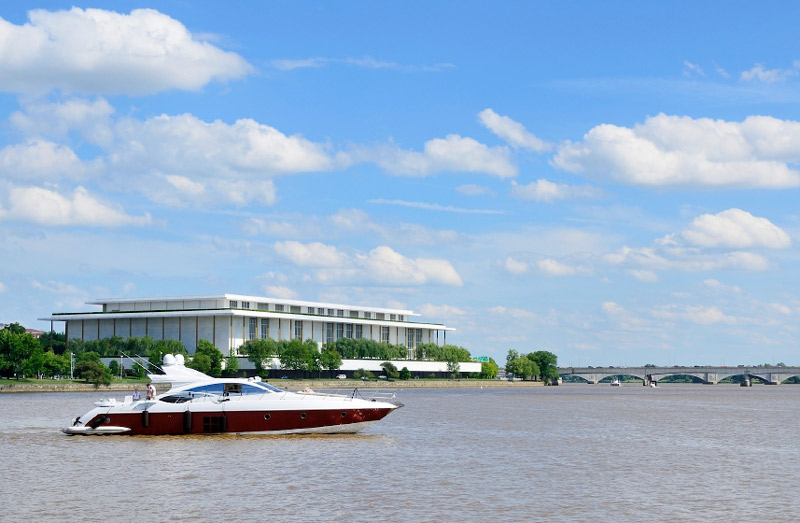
x: 59, y: 386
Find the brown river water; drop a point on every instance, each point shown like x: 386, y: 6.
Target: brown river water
x: 569, y: 453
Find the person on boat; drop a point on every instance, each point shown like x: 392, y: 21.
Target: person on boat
x: 151, y: 391
x: 135, y: 396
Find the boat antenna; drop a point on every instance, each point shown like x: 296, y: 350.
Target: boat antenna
x: 138, y: 362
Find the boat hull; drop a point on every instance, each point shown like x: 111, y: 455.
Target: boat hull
x: 328, y: 421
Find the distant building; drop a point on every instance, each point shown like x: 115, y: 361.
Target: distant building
x: 33, y: 332
x: 228, y: 320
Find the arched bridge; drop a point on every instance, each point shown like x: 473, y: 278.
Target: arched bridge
x: 710, y: 375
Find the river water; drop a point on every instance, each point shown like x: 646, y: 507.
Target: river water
x: 575, y: 452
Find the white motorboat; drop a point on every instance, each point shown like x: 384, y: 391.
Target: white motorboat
x: 615, y: 382
x: 199, y: 404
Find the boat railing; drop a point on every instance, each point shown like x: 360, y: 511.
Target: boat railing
x: 369, y: 395
x: 374, y: 394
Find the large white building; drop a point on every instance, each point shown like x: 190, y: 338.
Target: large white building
x: 228, y: 320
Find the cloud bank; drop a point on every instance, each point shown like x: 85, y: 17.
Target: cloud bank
x: 98, y: 51
x: 674, y: 151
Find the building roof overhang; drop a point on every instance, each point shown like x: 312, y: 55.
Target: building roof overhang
x: 256, y: 299
x: 69, y: 316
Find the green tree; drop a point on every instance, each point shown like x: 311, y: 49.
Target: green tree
x: 55, y: 364
x: 330, y: 359
x: 489, y: 369
x: 54, y: 341
x: 296, y: 356
x: 90, y: 368
x: 362, y: 373
x: 511, y: 356
x: 405, y: 374
x: 389, y: 369
x: 453, y: 368
x: 259, y: 351
x: 546, y: 365
x: 207, y: 359
x: 520, y: 367
x: 20, y: 353
x: 433, y: 352
x: 113, y: 368
x: 231, y: 363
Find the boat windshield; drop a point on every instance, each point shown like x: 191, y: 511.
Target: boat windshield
x: 230, y: 389
x: 270, y: 387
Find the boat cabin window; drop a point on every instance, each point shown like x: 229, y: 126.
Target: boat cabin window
x: 181, y: 397
x: 213, y: 388
x: 233, y: 388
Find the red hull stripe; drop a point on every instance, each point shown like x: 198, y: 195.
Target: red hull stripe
x: 247, y: 421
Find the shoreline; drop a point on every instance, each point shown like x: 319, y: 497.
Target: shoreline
x: 290, y: 385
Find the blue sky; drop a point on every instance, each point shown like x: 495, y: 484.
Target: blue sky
x: 614, y: 182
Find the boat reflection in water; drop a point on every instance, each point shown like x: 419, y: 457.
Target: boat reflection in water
x: 199, y: 404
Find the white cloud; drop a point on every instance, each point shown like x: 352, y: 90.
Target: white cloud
x: 515, y: 266
x: 453, y: 153
x: 556, y: 268
x: 474, y: 190
x: 186, y: 145
x: 186, y: 186
x: 545, y: 191
x: 55, y: 287
x: 768, y: 76
x: 39, y: 160
x: 352, y: 219
x: 180, y: 191
x: 302, y: 63
x: 435, y: 207
x: 690, y: 260
x: 311, y: 255
x: 46, y: 207
x: 185, y: 160
x: 367, y: 62
x: 644, y: 275
x: 514, y: 133
x: 696, y: 248
x: 100, y: 51
x: 780, y: 308
x: 699, y: 314
x: 674, y: 151
x: 690, y: 69
x: 277, y: 291
x: 383, y: 264
x: 92, y: 119
x: 711, y: 283
x: 733, y: 228
x: 2, y: 287
x: 440, y: 311
x: 612, y: 309
x: 513, y: 313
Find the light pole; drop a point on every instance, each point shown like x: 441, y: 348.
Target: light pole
x: 70, y: 365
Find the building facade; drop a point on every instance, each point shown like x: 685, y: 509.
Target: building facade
x: 229, y: 320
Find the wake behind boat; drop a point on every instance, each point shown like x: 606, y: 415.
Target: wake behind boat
x: 199, y: 404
